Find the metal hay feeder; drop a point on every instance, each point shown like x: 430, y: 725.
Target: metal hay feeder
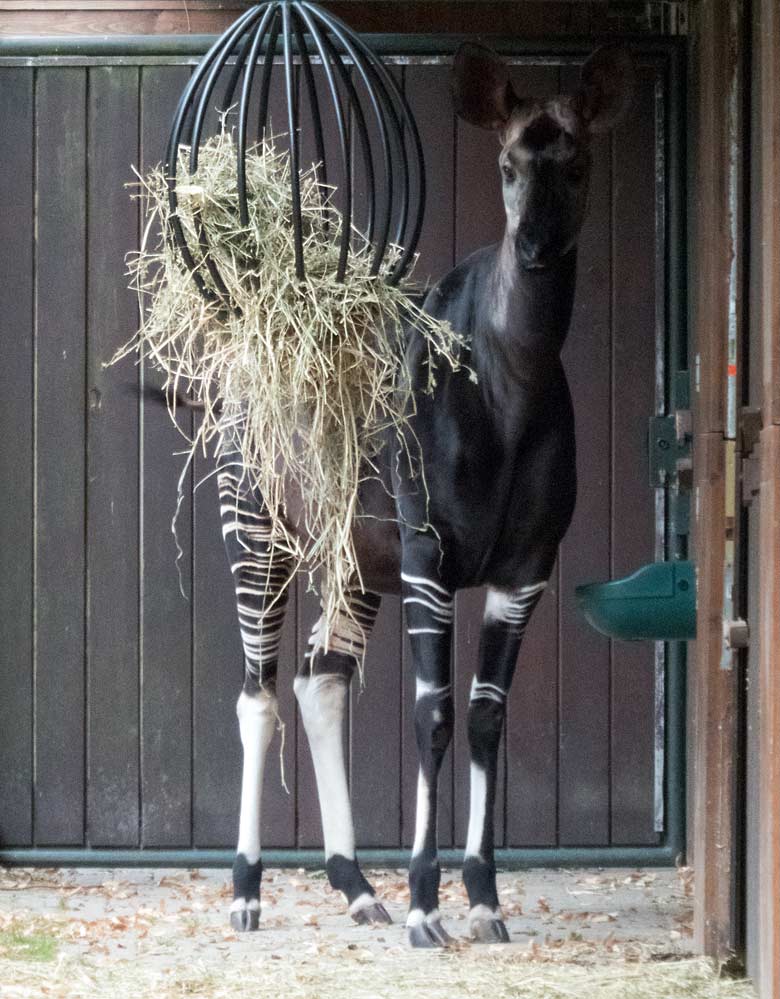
x: 364, y: 101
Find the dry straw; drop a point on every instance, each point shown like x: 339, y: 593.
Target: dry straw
x: 310, y: 374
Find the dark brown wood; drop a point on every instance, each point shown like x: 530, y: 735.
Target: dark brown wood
x: 16, y: 458
x: 60, y: 121
x: 769, y: 715
x: 534, y: 18
x: 716, y: 46
x: 166, y: 587
x: 375, y: 736
x: 162, y: 690
x: 112, y: 467
x: 585, y: 661
x: 767, y: 597
x: 714, y: 690
x: 217, y: 674
x: 634, y: 319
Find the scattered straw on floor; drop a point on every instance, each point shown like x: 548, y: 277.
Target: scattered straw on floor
x: 360, y: 974
x: 312, y: 373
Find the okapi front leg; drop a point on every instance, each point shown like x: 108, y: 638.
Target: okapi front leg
x: 429, y: 609
x: 261, y: 574
x: 322, y: 689
x: 506, y: 618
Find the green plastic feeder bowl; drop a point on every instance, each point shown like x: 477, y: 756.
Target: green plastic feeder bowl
x: 658, y: 602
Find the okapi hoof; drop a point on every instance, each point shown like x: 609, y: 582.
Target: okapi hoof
x: 487, y: 926
x: 427, y: 931
x: 367, y: 911
x: 245, y: 916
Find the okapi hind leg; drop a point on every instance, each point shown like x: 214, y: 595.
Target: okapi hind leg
x: 261, y: 575
x: 505, y: 621
x: 322, y: 689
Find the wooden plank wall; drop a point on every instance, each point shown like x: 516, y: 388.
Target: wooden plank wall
x: 117, y: 694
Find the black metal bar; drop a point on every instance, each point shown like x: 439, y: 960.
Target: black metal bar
x: 321, y: 166
x: 362, y: 130
x: 243, y: 113
x: 388, y: 86
x: 222, y: 56
x: 344, y: 146
x: 345, y: 36
x: 268, y: 67
x: 172, y: 160
x: 292, y: 123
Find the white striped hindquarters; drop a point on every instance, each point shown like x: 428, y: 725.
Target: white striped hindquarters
x: 350, y: 631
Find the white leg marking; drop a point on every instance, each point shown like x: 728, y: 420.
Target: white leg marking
x: 483, y: 914
x: 241, y: 905
x: 417, y: 916
x: 512, y: 608
x: 323, y: 699
x: 361, y: 902
x: 424, y: 687
x: 477, y: 807
x: 491, y: 691
x: 422, y: 815
x: 256, y: 722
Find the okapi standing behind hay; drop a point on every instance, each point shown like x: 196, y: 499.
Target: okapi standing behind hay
x: 500, y: 471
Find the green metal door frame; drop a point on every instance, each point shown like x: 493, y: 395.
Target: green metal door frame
x: 670, y: 54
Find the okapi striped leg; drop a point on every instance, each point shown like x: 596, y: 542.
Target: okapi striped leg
x: 505, y: 621
x: 322, y: 688
x: 429, y: 612
x: 261, y: 574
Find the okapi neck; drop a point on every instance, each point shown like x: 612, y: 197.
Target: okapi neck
x: 533, y: 309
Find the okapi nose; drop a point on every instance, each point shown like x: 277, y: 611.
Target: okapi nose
x: 532, y: 252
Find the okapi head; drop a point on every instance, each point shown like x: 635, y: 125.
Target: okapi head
x: 545, y: 159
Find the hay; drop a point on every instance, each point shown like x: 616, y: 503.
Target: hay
x: 311, y: 374
x: 316, y: 973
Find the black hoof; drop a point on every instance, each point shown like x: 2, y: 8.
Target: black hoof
x: 429, y: 934
x: 489, y: 931
x: 372, y: 914
x: 245, y: 920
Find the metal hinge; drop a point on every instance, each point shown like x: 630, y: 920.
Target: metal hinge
x: 750, y: 451
x: 669, y: 448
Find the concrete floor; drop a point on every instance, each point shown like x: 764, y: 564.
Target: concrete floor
x: 171, y: 916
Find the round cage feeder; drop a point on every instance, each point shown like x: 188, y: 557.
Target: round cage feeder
x: 328, y: 74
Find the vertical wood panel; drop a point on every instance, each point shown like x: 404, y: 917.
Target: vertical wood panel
x: 112, y: 466
x: 16, y: 457
x: 217, y: 673
x: 633, y: 514
x: 532, y: 731
x: 376, y: 733
x: 584, y: 555
x: 428, y: 93
x: 166, y: 637
x: 60, y: 283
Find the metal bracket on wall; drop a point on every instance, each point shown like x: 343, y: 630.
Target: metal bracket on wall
x: 750, y: 421
x: 670, y: 449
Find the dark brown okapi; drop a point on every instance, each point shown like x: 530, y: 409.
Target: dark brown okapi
x: 500, y: 472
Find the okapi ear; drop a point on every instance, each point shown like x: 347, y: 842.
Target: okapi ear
x: 606, y: 88
x: 481, y: 89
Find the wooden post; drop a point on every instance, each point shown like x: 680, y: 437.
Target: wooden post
x: 717, y: 66
x: 769, y: 510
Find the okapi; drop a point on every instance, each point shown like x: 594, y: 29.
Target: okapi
x: 500, y: 471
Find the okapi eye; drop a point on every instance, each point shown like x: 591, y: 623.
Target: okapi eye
x: 508, y: 172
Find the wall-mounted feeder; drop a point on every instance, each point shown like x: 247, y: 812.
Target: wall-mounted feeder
x: 656, y: 602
